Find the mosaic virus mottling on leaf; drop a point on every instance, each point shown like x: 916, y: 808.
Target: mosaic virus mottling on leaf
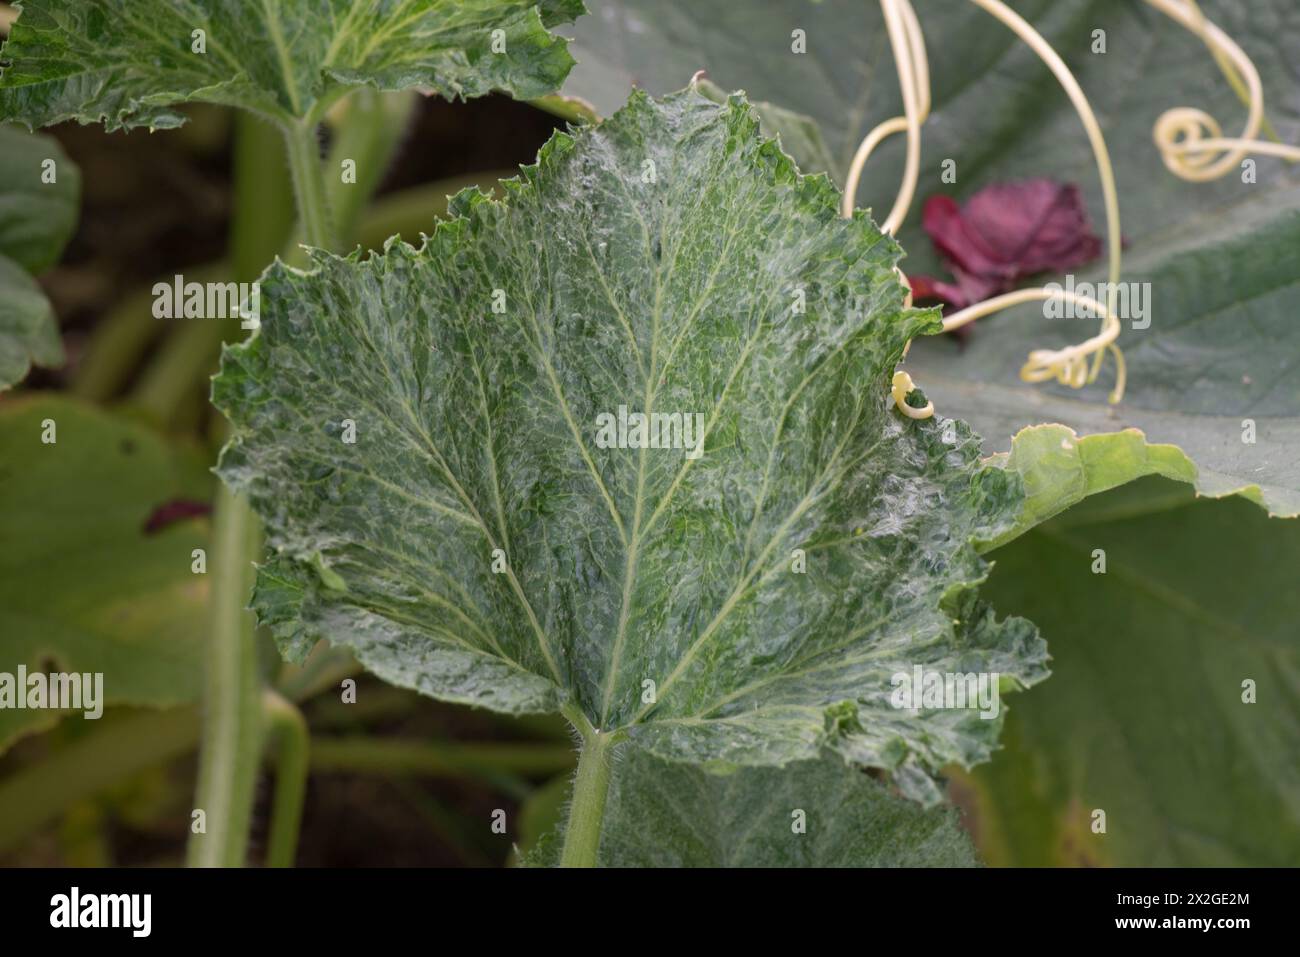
x: 475, y: 543
x: 127, y: 63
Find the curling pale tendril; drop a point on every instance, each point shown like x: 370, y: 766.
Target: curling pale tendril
x: 1190, y: 141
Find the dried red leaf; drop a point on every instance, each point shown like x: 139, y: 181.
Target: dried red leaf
x: 1005, y: 233
x: 178, y: 509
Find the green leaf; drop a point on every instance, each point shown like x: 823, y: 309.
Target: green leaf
x: 1222, y: 339
x: 1060, y: 469
x: 127, y: 62
x: 83, y: 587
x: 1144, y: 717
x: 475, y: 430
x: 37, y: 218
x: 815, y: 813
x: 36, y: 221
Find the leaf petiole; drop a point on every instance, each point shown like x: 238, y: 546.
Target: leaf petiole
x: 590, y: 790
x: 309, y: 184
x: 232, y: 734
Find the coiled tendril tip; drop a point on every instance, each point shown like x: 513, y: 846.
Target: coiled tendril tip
x: 1191, y: 144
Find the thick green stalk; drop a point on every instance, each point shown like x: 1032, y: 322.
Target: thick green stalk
x: 571, y: 108
x: 232, y: 732
x: 263, y: 210
x: 292, y: 743
x: 231, y: 742
x: 232, y: 737
x: 369, y: 134
x: 309, y: 185
x: 587, y: 811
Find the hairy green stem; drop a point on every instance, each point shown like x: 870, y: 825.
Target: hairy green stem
x: 587, y: 811
x: 288, y: 733
x: 232, y: 730
x: 372, y: 127
x: 309, y: 185
x: 231, y: 739
x: 231, y: 743
x: 263, y: 209
x: 571, y: 108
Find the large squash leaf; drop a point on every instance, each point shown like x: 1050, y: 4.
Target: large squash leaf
x: 1144, y: 717
x: 127, y: 62
x: 83, y: 585
x: 475, y: 542
x: 1222, y: 341
x: 815, y: 813
x: 39, y: 193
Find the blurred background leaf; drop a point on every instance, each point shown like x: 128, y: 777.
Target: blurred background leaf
x: 1143, y: 716
x: 83, y: 585
x: 40, y: 190
x: 37, y: 218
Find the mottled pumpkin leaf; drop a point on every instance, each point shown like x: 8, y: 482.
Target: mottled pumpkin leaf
x: 84, y: 586
x: 423, y: 435
x: 1222, y: 338
x: 814, y: 813
x: 128, y: 62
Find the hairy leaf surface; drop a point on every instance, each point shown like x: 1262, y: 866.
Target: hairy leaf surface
x: 1222, y: 342
x: 814, y: 813
x: 126, y: 62
x: 476, y: 541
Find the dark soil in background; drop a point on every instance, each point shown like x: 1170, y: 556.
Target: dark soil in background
x: 155, y: 204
